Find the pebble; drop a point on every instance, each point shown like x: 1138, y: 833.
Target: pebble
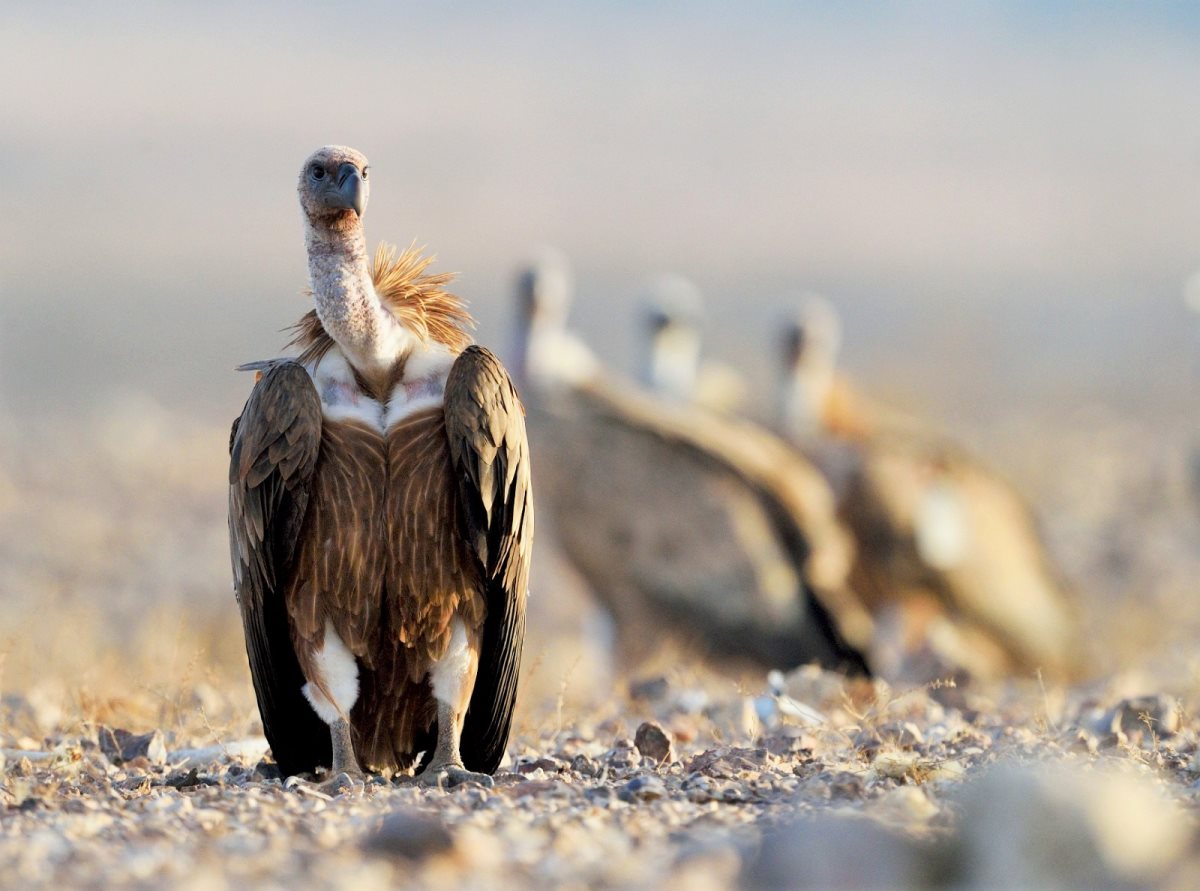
x: 653, y: 743
x: 643, y: 788
x: 410, y: 835
x: 121, y: 746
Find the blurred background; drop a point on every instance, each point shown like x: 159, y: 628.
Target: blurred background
x: 1002, y: 202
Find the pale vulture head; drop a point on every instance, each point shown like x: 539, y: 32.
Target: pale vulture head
x: 333, y: 187
x: 674, y: 303
x: 674, y: 316
x: 813, y: 336
x: 544, y: 288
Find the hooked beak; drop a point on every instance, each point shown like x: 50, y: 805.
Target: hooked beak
x: 347, y: 191
x: 658, y: 320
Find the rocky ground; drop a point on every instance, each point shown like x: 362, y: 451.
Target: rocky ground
x: 131, y: 755
x: 680, y: 784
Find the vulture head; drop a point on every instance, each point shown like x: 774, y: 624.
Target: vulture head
x: 674, y: 317
x: 674, y: 303
x: 813, y: 336
x: 811, y: 339
x: 333, y: 187
x: 544, y: 289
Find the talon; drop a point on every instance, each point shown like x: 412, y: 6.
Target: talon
x: 344, y: 781
x: 452, y: 775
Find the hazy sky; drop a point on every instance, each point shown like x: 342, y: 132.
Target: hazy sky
x: 980, y: 188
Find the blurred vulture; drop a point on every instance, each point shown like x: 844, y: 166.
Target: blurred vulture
x: 671, y: 364
x: 380, y: 514
x: 685, y: 525
x: 948, y: 554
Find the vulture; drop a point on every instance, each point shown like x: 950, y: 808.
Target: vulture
x: 380, y: 514
x: 672, y: 366
x: 948, y: 554
x: 688, y: 527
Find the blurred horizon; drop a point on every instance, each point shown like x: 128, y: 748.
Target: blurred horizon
x: 1002, y: 202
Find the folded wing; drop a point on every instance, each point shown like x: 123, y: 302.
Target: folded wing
x: 485, y: 424
x: 273, y: 452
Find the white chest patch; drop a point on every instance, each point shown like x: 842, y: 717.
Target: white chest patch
x: 423, y: 386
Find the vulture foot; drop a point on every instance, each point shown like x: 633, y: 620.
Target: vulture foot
x: 451, y: 775
x: 343, y: 782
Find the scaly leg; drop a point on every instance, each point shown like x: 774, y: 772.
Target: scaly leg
x: 451, y: 679
x: 345, y: 772
x: 447, y: 761
x: 343, y: 750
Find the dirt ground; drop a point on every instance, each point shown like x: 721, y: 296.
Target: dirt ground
x: 132, y: 749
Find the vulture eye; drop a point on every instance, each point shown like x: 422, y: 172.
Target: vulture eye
x: 364, y: 173
x: 317, y: 171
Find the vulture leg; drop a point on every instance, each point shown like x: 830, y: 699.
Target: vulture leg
x: 452, y: 679
x: 447, y: 761
x: 332, y: 691
x: 345, y: 772
x: 343, y: 750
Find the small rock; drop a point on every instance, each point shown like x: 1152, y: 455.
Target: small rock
x: 727, y: 761
x: 598, y: 795
x: 653, y: 743
x: 644, y: 788
x: 549, y: 765
x: 182, y: 780
x: 533, y: 788
x: 410, y: 835
x: 582, y: 764
x: 268, y: 770
x: 623, y: 755
x: 903, y: 765
x: 134, y: 787
x: 1142, y: 718
x: 649, y: 689
x: 120, y: 746
x: 1084, y: 743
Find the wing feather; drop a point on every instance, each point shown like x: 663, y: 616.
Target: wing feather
x: 273, y: 454
x: 485, y: 425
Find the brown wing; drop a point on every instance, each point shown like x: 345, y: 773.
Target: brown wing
x: 273, y: 451
x: 701, y: 526
x: 485, y: 425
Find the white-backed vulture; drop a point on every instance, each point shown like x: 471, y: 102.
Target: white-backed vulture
x: 947, y: 552
x: 672, y: 366
x: 380, y: 514
x: 686, y: 526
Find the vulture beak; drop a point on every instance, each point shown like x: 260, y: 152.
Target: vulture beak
x: 347, y: 191
x: 658, y: 321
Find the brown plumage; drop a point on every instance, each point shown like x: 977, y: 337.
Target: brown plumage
x: 699, y: 528
x: 381, y: 515
x: 689, y: 527
x: 948, y: 554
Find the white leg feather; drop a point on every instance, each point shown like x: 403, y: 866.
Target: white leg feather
x: 339, y: 673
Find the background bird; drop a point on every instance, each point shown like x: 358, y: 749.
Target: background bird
x: 673, y: 366
x: 948, y: 555
x: 685, y: 525
x: 380, y: 514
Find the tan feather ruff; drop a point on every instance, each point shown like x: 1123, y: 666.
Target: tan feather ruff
x: 419, y: 300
